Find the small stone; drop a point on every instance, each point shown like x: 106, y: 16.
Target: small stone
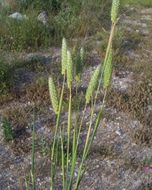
x: 146, y: 17
x: 38, y: 180
x: 18, y: 16
x: 145, y: 32
x: 43, y: 17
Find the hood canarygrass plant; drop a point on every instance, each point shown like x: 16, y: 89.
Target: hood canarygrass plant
x: 68, y: 159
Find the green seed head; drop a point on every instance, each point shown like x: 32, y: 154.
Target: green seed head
x: 107, y: 71
x: 115, y: 10
x: 69, y: 69
x: 93, y: 84
x: 64, y: 56
x: 53, y: 95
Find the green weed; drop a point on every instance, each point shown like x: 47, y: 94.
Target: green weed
x: 28, y: 34
x: 7, y: 130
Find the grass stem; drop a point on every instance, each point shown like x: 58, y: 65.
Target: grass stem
x: 55, y: 140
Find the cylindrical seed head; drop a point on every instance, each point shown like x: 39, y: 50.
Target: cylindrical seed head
x: 115, y: 10
x: 107, y: 70
x: 92, y: 84
x: 53, y: 95
x: 69, y: 69
x: 64, y: 56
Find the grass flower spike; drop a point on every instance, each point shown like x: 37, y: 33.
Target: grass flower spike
x: 64, y: 56
x: 92, y: 84
x: 107, y: 71
x: 115, y: 10
x: 69, y: 69
x: 53, y: 95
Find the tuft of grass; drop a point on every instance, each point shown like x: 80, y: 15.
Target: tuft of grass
x: 28, y: 34
x: 69, y: 159
x: 7, y: 130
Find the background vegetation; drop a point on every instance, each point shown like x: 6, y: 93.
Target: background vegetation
x: 138, y: 2
x: 66, y: 18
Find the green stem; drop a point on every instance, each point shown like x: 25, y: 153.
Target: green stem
x: 69, y: 130
x: 33, y: 156
x: 88, y: 140
x: 74, y: 153
x: 55, y: 140
x: 87, y: 144
x: 99, y: 117
x: 85, y: 149
x: 105, y: 59
x: 74, y: 156
x: 63, y: 155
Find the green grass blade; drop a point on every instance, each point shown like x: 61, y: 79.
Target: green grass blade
x: 74, y: 155
x: 63, y: 162
x: 55, y: 140
x: 33, y: 156
x: 69, y: 134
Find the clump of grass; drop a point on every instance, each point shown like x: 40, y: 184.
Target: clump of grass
x: 28, y: 34
x: 4, y: 73
x: 68, y: 149
x: 7, y: 130
x: 100, y: 78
